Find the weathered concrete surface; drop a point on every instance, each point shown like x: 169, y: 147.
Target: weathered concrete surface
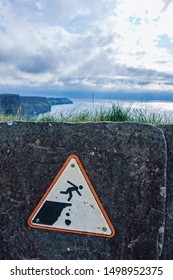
x: 168, y: 240
x: 126, y: 164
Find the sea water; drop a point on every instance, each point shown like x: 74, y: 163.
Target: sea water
x: 83, y: 105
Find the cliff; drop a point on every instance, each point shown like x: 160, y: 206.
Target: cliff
x: 59, y: 101
x: 28, y: 105
x: 9, y: 103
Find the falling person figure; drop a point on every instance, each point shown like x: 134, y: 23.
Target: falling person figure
x: 70, y: 190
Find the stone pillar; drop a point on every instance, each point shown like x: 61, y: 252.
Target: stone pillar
x: 126, y: 164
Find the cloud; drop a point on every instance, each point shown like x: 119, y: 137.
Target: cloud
x: 166, y: 4
x: 101, y: 44
x: 37, y: 64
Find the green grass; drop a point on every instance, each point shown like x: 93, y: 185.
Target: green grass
x: 118, y: 112
x: 9, y: 118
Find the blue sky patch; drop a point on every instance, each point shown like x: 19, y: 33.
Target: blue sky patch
x: 135, y: 20
x: 165, y: 42
x: 2, y: 29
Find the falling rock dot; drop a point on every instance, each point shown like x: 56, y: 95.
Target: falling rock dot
x: 67, y: 222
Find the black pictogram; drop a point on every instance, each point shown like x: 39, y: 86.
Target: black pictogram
x: 50, y: 212
x: 72, y: 189
x: 67, y: 222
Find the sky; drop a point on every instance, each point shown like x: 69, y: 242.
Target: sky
x: 92, y: 45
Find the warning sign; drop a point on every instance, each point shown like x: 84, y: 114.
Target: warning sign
x: 71, y: 204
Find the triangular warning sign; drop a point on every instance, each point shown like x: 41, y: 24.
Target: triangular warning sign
x: 71, y: 204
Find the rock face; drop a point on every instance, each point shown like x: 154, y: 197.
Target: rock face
x: 9, y: 103
x: 58, y: 101
x: 28, y: 105
x: 126, y: 163
x: 32, y: 106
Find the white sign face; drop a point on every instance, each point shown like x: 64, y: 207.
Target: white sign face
x: 72, y: 205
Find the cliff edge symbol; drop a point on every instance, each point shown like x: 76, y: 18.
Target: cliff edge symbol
x: 71, y: 204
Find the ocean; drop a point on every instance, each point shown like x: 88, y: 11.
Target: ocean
x: 79, y: 105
